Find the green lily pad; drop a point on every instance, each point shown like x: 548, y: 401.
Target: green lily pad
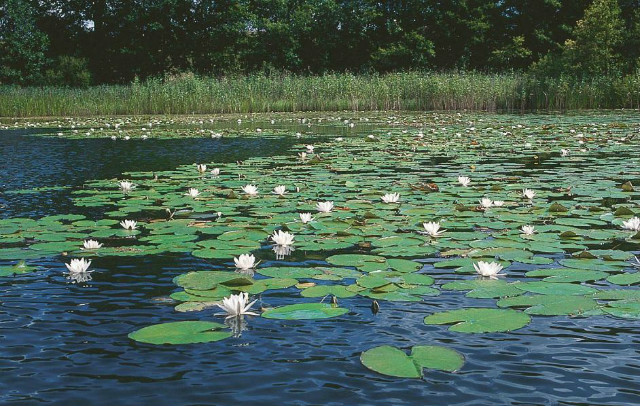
x: 625, y: 278
x: 625, y: 309
x: 325, y: 290
x: 392, y: 361
x: 181, y: 332
x: 304, y: 311
x: 480, y: 320
x: 552, y: 288
x: 553, y: 305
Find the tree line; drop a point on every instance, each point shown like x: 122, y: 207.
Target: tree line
x: 77, y: 43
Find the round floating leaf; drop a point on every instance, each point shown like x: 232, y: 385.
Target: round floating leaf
x: 625, y: 278
x: 392, y: 361
x: 553, y: 305
x: 304, y: 311
x: 181, y: 332
x: 325, y: 290
x: 16, y: 269
x: 485, y: 288
x: 437, y: 357
x: 567, y: 275
x: 480, y: 320
x: 355, y: 260
x: 552, y: 288
x: 624, y: 308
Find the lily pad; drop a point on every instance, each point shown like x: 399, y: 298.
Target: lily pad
x: 304, y: 311
x: 480, y: 320
x: 392, y: 361
x: 181, y: 332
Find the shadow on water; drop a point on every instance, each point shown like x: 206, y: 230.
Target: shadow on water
x: 40, y: 162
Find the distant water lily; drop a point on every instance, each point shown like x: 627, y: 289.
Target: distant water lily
x: 310, y: 148
x: 564, y: 152
x: 245, y: 262
x: 280, y: 190
x: 464, y: 180
x: 528, y: 193
x: 391, y: 198
x: 324, y: 207
x: 202, y: 168
x: 126, y: 186
x: 485, y: 202
x: 129, y: 224
x: 339, y: 139
x: 528, y: 230
x: 302, y: 155
x: 282, y: 238
x: 498, y: 203
x: 488, y: 269
x: 306, y: 217
x: 91, y: 245
x: 215, y: 172
x: 632, y: 224
x: 193, y: 192
x: 433, y: 228
x: 237, y: 305
x: 250, y: 190
x: 78, y: 270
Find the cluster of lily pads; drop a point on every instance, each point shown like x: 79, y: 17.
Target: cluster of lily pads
x: 542, y: 218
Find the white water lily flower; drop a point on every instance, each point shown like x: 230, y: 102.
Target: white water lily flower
x: 486, y: 202
x: 126, y: 186
x: 528, y: 193
x: 302, y: 155
x: 236, y: 305
x: 324, y: 207
x: 498, y: 203
x: 215, y: 172
x: 564, y: 152
x: 245, y: 262
x: 632, y: 224
x: 129, y: 224
x: 202, y: 168
x: 339, y: 139
x: 193, y: 192
x: 528, y: 230
x: 433, y: 228
x: 78, y: 270
x: 464, y: 180
x: 310, y: 148
x: 488, y: 269
x: 391, y: 198
x: 306, y: 217
x: 280, y: 190
x: 282, y: 238
x: 250, y: 190
x: 91, y: 245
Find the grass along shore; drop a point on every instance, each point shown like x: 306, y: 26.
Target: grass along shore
x: 290, y: 93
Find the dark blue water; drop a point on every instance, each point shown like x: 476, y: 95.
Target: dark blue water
x: 65, y: 344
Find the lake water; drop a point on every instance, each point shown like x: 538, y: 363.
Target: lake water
x: 67, y: 344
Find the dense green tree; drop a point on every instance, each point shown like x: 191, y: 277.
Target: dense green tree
x: 70, y: 41
x: 22, y: 44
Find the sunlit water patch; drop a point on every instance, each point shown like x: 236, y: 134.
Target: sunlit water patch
x: 360, y: 239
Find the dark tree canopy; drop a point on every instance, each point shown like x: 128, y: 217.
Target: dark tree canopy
x: 75, y: 42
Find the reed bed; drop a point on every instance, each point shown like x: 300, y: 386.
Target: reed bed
x: 415, y: 91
